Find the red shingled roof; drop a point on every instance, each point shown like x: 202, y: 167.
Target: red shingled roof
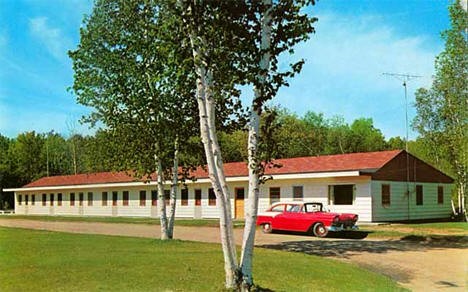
x: 340, y: 162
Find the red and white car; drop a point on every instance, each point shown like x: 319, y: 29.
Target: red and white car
x: 305, y: 217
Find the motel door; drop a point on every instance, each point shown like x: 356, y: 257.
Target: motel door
x: 26, y: 205
x: 239, y: 203
x: 115, y: 197
x: 51, y: 202
x: 198, y: 202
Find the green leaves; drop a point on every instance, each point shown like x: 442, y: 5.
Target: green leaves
x: 138, y: 82
x: 442, y: 110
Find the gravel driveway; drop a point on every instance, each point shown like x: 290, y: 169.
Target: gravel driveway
x: 418, y: 266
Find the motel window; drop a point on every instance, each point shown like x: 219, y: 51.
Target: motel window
x: 59, y: 199
x: 33, y: 199
x: 298, y: 193
x: 419, y: 194
x: 197, y: 197
x: 154, y: 198
x: 115, y: 196
x: 104, y: 198
x: 125, y: 198
x: 81, y: 198
x: 275, y: 195
x: 385, y: 194
x: 26, y: 199
x: 211, y: 197
x: 142, y: 198
x: 239, y: 194
x: 184, y: 197
x: 342, y: 194
x: 440, y: 194
x: 44, y: 198
x: 72, y: 199
x: 90, y: 199
x: 51, y: 199
x: 167, y: 197
x: 19, y: 200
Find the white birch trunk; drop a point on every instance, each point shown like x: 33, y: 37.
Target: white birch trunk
x: 455, y: 213
x: 215, y: 164
x: 252, y: 203
x: 175, y: 182
x: 161, y: 200
x: 254, y: 180
x: 459, y: 193
x: 461, y: 190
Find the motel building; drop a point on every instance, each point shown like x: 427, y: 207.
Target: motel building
x: 378, y: 186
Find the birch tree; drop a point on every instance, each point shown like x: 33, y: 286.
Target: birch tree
x: 249, y: 37
x: 125, y: 74
x: 277, y: 27
x: 134, y: 68
x: 442, y: 110
x: 211, y: 30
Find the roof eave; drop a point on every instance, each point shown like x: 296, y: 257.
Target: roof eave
x: 329, y: 174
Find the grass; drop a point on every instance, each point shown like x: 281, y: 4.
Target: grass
x: 53, y: 261
x: 374, y: 231
x: 134, y: 220
x: 421, y: 229
x: 458, y: 226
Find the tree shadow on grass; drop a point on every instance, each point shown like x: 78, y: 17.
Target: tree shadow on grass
x: 341, y: 235
x: 346, y: 248
x: 261, y: 289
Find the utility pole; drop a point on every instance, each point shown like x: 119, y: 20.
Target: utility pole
x: 47, y: 149
x: 405, y: 78
x: 47, y: 154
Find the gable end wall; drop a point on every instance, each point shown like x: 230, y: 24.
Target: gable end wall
x: 419, y: 171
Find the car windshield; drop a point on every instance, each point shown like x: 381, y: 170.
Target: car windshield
x: 312, y: 207
x: 293, y: 208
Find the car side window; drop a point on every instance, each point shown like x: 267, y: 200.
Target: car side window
x: 310, y: 208
x: 293, y: 208
x: 279, y: 208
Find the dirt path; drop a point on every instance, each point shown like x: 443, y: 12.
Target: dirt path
x: 417, y: 266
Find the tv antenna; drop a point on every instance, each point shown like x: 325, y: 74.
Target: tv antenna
x: 405, y: 78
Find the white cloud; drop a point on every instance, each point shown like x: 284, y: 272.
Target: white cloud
x: 345, y: 60
x: 52, y: 38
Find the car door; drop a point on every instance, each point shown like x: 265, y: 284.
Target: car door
x: 292, y: 218
x: 277, y: 221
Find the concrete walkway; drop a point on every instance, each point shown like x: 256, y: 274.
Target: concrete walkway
x: 419, y: 267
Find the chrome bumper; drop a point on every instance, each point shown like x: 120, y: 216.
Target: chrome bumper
x: 341, y: 228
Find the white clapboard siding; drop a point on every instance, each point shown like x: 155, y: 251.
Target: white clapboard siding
x: 317, y: 191
x: 367, y: 200
x: 398, y: 208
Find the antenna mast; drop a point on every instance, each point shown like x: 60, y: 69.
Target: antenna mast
x: 405, y: 78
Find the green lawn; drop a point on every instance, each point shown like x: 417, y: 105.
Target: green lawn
x: 375, y: 231
x: 32, y: 260
x: 136, y: 220
x: 459, y: 226
x: 421, y: 229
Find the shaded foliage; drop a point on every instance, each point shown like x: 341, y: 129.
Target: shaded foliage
x: 442, y: 110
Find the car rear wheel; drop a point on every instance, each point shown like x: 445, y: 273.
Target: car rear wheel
x: 320, y: 230
x: 266, y: 228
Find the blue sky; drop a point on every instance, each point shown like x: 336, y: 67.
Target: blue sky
x: 356, y: 41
